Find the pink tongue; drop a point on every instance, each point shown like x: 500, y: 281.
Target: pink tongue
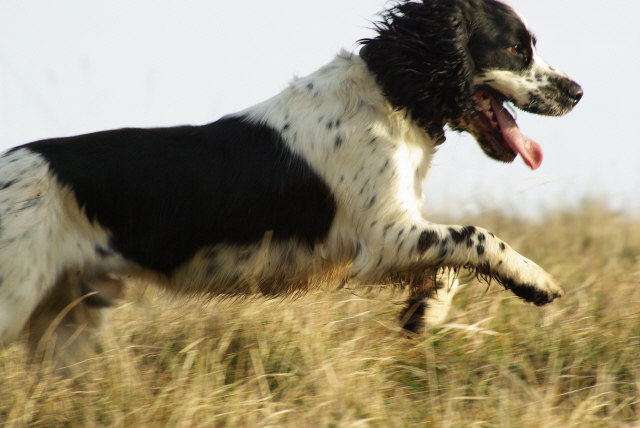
x: 530, y: 151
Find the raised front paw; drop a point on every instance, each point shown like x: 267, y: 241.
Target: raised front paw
x: 531, y: 283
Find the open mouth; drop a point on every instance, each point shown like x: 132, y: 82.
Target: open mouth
x: 498, y: 133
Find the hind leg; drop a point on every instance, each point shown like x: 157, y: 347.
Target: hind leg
x: 27, y: 222
x: 48, y: 247
x: 64, y: 328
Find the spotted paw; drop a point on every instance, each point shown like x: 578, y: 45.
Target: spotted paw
x: 533, y: 284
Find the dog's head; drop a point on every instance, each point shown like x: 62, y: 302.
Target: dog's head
x: 458, y: 62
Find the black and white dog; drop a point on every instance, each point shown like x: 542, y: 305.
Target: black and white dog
x: 323, y: 182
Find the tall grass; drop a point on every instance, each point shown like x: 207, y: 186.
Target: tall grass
x: 338, y: 359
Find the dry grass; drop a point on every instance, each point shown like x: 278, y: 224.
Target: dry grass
x: 338, y: 360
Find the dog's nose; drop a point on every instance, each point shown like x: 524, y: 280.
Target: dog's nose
x: 574, y: 91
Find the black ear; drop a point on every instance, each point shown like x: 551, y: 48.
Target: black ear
x: 421, y: 59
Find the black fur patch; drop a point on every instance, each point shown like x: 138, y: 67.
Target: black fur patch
x: 166, y: 193
x: 434, y: 84
x: 464, y: 234
x: 412, y: 316
x: 528, y: 292
x: 427, y: 239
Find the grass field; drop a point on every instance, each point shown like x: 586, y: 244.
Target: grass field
x: 339, y: 360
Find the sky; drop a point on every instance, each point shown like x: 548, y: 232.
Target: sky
x: 73, y: 66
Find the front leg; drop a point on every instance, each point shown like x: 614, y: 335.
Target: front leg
x: 407, y: 247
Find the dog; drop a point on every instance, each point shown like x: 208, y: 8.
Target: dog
x: 321, y: 183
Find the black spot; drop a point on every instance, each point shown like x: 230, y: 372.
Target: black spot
x: 385, y: 166
x: 400, y: 234
x: 286, y: 126
x: 413, y: 228
x: 25, y: 205
x: 330, y: 125
x: 358, y: 249
x: 427, y: 239
x: 470, y: 243
x: 464, y: 234
x: 443, y: 252
x: 386, y: 228
x: 372, y: 201
x: 338, y: 122
x: 310, y: 86
x: 373, y: 140
x: 7, y: 184
x: 341, y: 178
x: 481, y: 238
x: 502, y: 246
x: 373, y: 223
x: 338, y: 140
x: 480, y: 249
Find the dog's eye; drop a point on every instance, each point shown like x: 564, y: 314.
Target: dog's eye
x: 515, y: 50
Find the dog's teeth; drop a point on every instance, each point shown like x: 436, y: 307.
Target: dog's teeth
x: 486, y: 104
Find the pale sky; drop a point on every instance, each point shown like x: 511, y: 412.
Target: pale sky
x: 75, y: 66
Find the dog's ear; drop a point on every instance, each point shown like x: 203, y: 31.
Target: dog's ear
x: 421, y: 59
